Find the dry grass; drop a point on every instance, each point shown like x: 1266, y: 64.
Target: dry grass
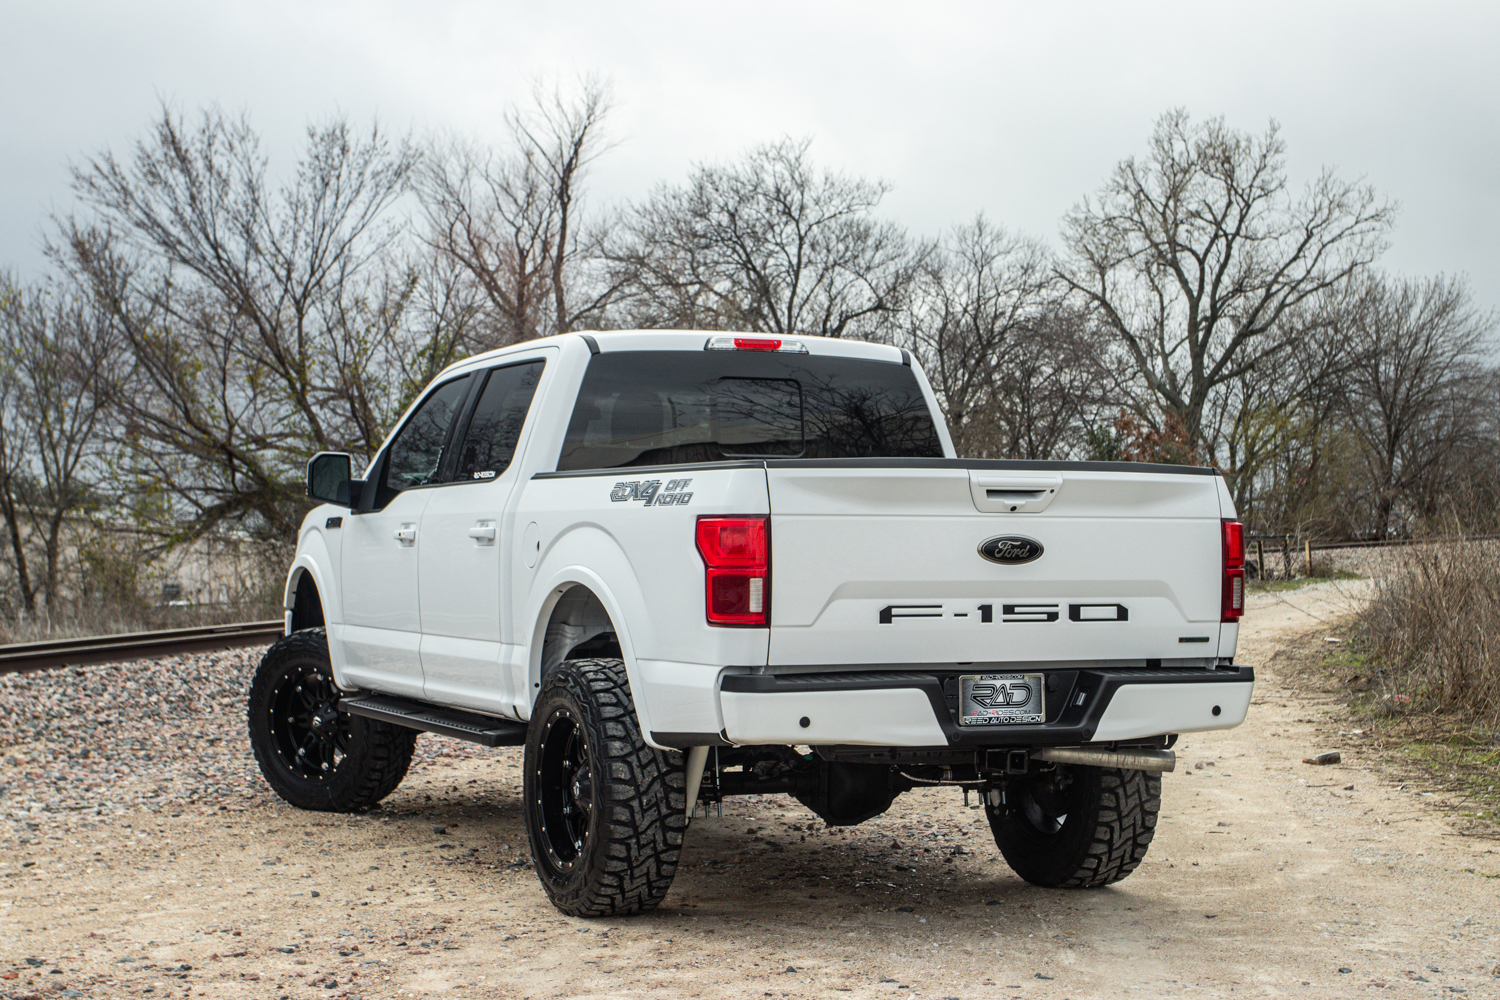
x: 1433, y: 630
x: 119, y: 618
x: 1321, y: 574
x: 1428, y: 752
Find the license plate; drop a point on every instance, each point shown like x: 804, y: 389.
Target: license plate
x: 1001, y: 700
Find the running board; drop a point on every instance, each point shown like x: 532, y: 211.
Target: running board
x: 482, y: 729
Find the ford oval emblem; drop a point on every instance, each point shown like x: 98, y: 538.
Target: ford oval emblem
x: 1011, y: 549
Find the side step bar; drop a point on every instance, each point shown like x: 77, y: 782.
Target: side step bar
x: 482, y: 729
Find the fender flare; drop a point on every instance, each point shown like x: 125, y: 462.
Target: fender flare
x: 558, y: 583
x: 313, y: 559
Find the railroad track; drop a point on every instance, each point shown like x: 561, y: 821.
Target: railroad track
x: 1297, y: 544
x: 23, y: 656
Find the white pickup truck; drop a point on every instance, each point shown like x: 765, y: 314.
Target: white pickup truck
x: 682, y: 566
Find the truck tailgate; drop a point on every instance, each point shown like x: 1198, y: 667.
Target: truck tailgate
x: 881, y: 565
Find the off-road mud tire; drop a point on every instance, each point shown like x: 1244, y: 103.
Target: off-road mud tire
x: 375, y: 755
x: 1110, y: 819
x: 636, y: 806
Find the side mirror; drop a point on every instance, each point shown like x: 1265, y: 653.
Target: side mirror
x: 330, y: 478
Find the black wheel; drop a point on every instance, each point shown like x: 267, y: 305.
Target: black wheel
x: 311, y: 754
x: 605, y: 813
x: 1076, y: 827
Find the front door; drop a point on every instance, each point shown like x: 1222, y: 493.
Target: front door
x: 381, y: 622
x: 381, y: 631
x: 463, y: 543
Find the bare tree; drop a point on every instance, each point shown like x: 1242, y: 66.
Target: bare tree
x: 1285, y: 452
x: 261, y: 320
x: 55, y: 348
x: 1058, y: 381
x: 513, y: 221
x: 768, y: 243
x: 1193, y: 256
x: 1015, y: 368
x: 14, y: 460
x: 1418, y: 393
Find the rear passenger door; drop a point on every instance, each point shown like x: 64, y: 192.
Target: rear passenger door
x: 465, y: 539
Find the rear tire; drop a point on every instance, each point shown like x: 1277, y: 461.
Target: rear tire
x: 1077, y: 827
x: 311, y: 754
x: 605, y: 813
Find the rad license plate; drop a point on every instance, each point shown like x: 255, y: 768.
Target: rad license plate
x: 1001, y: 700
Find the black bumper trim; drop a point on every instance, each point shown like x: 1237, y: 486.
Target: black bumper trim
x: 1068, y: 723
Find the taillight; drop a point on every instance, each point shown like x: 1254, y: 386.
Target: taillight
x: 1233, y: 605
x: 737, y: 580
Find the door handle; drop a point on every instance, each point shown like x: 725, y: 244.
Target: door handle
x: 483, y: 533
x: 407, y: 534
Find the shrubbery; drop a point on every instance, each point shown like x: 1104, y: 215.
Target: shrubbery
x: 1433, y: 626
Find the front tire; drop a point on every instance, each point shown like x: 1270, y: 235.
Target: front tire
x: 311, y: 754
x: 1076, y: 827
x: 605, y: 813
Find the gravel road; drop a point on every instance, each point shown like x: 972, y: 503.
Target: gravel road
x: 142, y: 855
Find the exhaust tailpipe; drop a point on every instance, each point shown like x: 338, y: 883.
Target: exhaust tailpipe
x: 1138, y: 760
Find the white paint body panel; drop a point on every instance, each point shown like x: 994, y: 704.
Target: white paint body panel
x: 900, y: 717
x: 649, y: 559
x: 1139, y: 710
x: 318, y: 550
x: 381, y: 632
x: 903, y: 717
x: 848, y: 542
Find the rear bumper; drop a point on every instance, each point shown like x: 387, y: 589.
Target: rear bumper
x: 920, y: 709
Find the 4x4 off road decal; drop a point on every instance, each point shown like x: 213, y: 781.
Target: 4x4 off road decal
x: 650, y: 490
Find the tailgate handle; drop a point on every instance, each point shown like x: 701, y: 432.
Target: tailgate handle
x: 997, y: 493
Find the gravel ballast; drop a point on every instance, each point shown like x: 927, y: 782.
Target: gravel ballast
x: 166, y: 734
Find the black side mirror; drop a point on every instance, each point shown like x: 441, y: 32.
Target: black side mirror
x: 330, y: 478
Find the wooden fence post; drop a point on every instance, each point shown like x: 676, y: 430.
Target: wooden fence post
x: 1308, y: 550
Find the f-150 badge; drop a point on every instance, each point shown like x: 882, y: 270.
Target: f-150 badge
x: 650, y: 490
x: 985, y: 613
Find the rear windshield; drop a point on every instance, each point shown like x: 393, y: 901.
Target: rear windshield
x: 676, y: 407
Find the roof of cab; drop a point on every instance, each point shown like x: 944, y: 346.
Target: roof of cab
x: 696, y: 340
x: 609, y: 341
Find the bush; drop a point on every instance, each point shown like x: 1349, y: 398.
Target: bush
x: 1433, y: 625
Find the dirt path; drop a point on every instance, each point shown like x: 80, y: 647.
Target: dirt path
x: 1267, y: 877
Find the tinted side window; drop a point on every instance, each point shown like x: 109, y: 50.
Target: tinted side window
x: 495, y: 427
x: 673, y: 407
x: 417, y: 452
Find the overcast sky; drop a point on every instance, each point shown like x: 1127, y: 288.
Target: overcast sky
x: 1012, y: 109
